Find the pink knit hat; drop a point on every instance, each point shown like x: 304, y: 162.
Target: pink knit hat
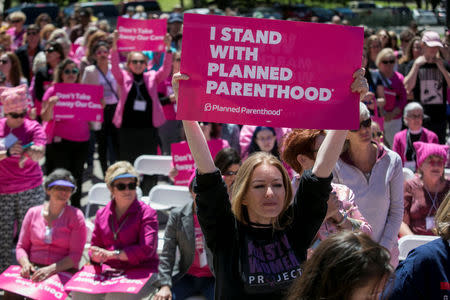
x: 423, y: 150
x: 14, y: 99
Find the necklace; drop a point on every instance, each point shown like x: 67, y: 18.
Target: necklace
x: 115, y: 233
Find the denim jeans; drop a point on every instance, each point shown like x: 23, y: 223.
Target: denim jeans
x: 190, y: 285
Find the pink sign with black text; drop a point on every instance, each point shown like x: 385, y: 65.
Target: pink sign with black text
x: 269, y: 72
x: 50, y: 289
x: 102, y: 279
x: 78, y: 101
x: 141, y: 35
x: 184, y: 162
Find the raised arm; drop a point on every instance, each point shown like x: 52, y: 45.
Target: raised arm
x: 331, y: 147
x: 411, y: 78
x: 194, y: 136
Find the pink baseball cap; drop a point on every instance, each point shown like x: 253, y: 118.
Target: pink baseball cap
x: 14, y: 99
x: 432, y: 39
x: 423, y: 150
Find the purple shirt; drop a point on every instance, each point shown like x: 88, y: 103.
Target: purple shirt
x: 137, y: 235
x: 13, y: 178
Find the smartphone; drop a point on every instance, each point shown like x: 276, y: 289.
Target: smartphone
x: 28, y: 145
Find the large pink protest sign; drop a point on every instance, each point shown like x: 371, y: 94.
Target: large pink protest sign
x: 184, y: 162
x: 78, y: 101
x: 101, y: 279
x: 141, y: 35
x: 50, y: 289
x: 269, y: 72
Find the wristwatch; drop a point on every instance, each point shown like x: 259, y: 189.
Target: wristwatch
x: 117, y: 254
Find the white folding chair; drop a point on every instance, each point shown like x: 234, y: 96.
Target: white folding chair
x: 165, y: 197
x: 99, y: 194
x: 153, y: 164
x: 409, y: 242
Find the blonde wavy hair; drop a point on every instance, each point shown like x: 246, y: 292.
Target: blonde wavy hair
x: 120, y: 167
x: 242, y: 183
x: 442, y: 219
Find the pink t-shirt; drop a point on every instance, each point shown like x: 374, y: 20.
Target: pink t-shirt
x: 43, y: 246
x: 13, y: 178
x: 199, y: 267
x: 72, y: 130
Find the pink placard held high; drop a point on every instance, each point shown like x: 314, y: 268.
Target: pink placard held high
x: 269, y: 72
x: 141, y: 35
x: 50, y: 289
x: 78, y: 101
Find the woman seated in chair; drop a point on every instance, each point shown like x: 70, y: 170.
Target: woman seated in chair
x: 194, y: 274
x: 53, y: 235
x: 126, y: 231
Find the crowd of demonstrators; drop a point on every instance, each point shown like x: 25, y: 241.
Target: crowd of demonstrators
x: 246, y: 201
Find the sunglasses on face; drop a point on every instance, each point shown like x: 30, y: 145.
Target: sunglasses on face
x: 32, y: 33
x: 62, y: 188
x: 123, y: 186
x: 4, y: 61
x: 366, y: 123
x: 137, y: 61
x: 71, y: 71
x: 100, y: 52
x: 49, y: 50
x: 229, y: 173
x: 377, y: 134
x: 178, y: 59
x: 16, y: 21
x: 392, y: 61
x: 17, y: 115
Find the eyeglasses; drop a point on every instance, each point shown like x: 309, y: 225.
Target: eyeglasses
x: 137, y: 61
x: 435, y: 162
x: 230, y: 173
x: 100, y: 52
x: 4, y: 61
x: 17, y: 115
x: 377, y: 134
x: 414, y: 116
x: 16, y: 21
x: 388, y: 62
x: 366, y: 123
x: 122, y: 186
x: 50, y: 50
x: 73, y: 71
x: 61, y: 188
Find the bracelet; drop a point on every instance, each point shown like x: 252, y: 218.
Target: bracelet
x: 344, y: 217
x: 117, y: 254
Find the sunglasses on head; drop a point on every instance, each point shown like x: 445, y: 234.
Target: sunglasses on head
x: 50, y: 50
x: 138, y: 61
x: 366, y: 123
x: 73, y: 71
x: 123, y: 186
x: 230, y: 173
x: 4, y: 61
x: 17, y: 115
x: 388, y: 62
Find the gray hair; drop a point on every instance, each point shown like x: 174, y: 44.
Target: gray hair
x: 364, y: 112
x: 59, y: 174
x: 410, y: 107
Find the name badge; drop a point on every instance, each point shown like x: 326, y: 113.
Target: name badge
x: 203, y: 260
x: 139, y: 105
x: 429, y: 223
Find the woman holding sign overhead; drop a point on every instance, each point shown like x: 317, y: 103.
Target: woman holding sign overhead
x: 139, y: 112
x: 67, y: 139
x: 259, y: 240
